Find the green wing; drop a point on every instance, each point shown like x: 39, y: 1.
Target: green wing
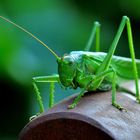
x: 122, y: 65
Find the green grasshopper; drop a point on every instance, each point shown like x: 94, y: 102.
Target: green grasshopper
x: 91, y: 71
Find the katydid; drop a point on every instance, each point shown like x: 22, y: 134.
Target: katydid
x: 91, y: 71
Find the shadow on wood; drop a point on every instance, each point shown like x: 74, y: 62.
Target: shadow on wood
x: 94, y: 118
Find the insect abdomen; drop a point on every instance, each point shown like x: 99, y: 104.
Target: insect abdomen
x: 124, y: 67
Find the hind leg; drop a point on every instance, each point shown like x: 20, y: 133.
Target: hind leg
x: 95, y: 33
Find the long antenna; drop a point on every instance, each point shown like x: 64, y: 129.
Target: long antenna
x: 31, y: 36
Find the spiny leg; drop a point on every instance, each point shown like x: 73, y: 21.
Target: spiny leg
x: 103, y: 74
x: 132, y: 53
x: 107, y: 60
x: 51, y: 99
x: 95, y: 33
x: 40, y: 102
x: 77, y: 99
x: 39, y: 99
x: 114, y: 103
x: 44, y: 79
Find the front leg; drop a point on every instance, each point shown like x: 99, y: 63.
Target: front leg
x: 44, y: 79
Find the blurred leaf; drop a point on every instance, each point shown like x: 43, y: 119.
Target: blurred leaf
x: 131, y: 7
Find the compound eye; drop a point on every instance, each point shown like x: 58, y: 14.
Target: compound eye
x: 69, y: 60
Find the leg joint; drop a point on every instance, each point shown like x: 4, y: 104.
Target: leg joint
x: 126, y: 18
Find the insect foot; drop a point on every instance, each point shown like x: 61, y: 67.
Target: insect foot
x: 119, y: 107
x: 72, y: 106
x: 34, y: 117
x: 138, y: 100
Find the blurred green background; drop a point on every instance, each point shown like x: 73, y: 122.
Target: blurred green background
x: 64, y: 25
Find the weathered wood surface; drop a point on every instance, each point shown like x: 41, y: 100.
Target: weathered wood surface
x: 94, y: 118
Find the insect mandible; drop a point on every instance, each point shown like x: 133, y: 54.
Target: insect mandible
x: 91, y: 71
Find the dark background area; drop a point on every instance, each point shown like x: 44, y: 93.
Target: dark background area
x: 64, y: 25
